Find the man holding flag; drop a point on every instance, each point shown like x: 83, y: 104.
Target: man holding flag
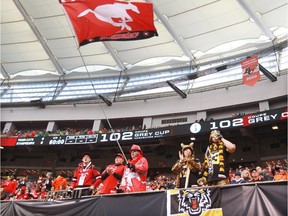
x: 135, y: 175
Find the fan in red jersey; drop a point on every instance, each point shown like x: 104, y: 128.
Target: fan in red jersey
x: 9, y: 186
x: 86, y: 177
x: 135, y: 175
x: 112, y: 175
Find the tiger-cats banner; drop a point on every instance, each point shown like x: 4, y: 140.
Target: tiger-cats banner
x: 194, y: 201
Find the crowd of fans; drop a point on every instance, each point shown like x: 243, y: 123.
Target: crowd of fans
x: 276, y: 173
x: 13, y: 188
x: 44, y: 133
x: 61, y: 132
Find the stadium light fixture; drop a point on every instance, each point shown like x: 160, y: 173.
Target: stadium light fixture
x: 105, y: 100
x: 177, y: 90
x: 267, y: 73
x: 39, y: 103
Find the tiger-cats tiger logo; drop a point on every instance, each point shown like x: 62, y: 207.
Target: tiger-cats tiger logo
x: 194, y: 202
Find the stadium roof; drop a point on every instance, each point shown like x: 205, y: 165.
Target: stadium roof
x: 40, y: 54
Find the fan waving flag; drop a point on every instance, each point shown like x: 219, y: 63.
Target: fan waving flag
x: 105, y: 20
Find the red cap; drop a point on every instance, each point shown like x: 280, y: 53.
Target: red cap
x: 136, y: 147
x: 119, y: 155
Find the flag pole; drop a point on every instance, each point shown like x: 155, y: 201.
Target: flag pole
x: 72, y: 29
x: 187, y: 176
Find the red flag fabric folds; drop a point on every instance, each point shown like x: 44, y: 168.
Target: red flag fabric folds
x: 105, y: 20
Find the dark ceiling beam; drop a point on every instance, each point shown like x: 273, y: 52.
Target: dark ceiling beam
x: 105, y: 100
x: 177, y: 90
x: 267, y: 73
x: 39, y: 103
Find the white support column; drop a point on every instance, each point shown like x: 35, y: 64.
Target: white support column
x: 52, y: 127
x: 201, y: 114
x: 9, y: 126
x: 263, y: 105
x: 96, y: 125
x: 147, y: 123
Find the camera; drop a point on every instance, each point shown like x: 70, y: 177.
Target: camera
x: 218, y: 136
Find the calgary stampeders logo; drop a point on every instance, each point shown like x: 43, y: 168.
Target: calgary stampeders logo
x: 194, y: 202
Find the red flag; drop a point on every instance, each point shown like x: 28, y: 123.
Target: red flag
x: 250, y: 68
x: 104, y: 20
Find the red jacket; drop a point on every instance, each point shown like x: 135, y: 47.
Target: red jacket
x: 135, y: 181
x: 9, y: 186
x: 20, y: 194
x: 60, y: 183
x: 25, y: 195
x: 86, y: 176
x: 40, y: 195
x: 111, y: 180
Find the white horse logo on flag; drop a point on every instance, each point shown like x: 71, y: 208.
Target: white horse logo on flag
x: 107, y: 12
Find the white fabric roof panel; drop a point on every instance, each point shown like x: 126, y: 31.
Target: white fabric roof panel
x: 23, y: 52
x: 135, y: 56
x: 63, y: 48
x: 99, y: 60
x: 213, y: 39
x: 265, y: 6
x: 17, y: 32
x: 75, y: 62
x: 276, y: 18
x: 94, y: 49
x: 14, y: 68
x: 9, y: 12
x: 39, y: 9
x: 165, y: 38
x: 220, y: 25
x: 172, y: 7
x: 212, y: 16
x: 145, y: 49
x: 54, y: 27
